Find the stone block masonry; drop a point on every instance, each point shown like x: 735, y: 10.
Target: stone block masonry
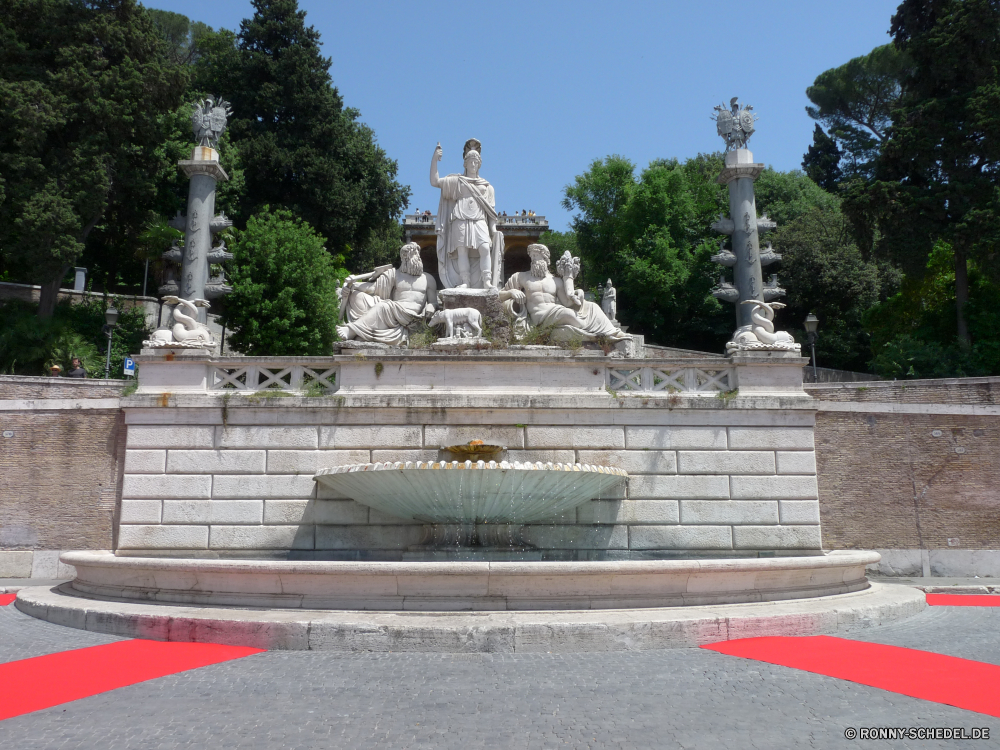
x: 906, y: 468
x: 703, y: 481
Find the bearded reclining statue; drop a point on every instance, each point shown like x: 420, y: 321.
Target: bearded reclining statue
x: 537, y: 299
x: 383, y: 305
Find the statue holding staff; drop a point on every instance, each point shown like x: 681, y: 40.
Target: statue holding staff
x: 469, y: 247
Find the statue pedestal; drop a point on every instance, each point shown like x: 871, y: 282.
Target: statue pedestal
x: 459, y: 344
x: 487, y: 302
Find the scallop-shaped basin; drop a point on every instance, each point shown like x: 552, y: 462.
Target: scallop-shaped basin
x: 480, y: 492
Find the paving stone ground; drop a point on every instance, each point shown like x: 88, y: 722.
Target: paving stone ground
x: 682, y: 698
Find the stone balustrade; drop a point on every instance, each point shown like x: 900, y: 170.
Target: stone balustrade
x: 503, y: 371
x: 421, y: 219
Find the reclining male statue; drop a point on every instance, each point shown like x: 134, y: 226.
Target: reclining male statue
x: 537, y: 299
x: 383, y: 308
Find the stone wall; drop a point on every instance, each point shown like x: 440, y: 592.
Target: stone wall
x: 61, y: 453
x: 231, y: 475
x: 912, y: 469
x: 887, y: 481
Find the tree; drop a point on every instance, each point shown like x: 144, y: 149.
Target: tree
x: 822, y: 161
x: 284, y: 299
x: 937, y: 176
x: 826, y: 274
x: 651, y: 236
x: 82, y: 81
x: 914, y: 331
x: 301, y: 148
x: 855, y: 101
x: 181, y: 34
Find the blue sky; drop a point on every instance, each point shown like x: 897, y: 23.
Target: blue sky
x: 550, y: 86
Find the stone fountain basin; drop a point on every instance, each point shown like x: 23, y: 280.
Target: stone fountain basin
x: 467, y: 492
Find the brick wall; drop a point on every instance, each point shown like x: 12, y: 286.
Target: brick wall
x: 909, y: 465
x: 60, y: 463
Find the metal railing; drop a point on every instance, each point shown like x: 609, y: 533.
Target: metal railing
x: 671, y: 380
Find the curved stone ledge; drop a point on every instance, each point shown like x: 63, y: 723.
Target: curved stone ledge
x: 493, y: 632
x: 457, y: 586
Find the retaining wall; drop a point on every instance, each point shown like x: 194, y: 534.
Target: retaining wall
x: 886, y: 481
x: 62, y: 447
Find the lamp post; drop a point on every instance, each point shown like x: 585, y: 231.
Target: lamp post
x: 110, y: 319
x: 811, y: 323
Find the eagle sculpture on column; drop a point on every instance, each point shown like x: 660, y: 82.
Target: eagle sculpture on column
x: 735, y: 124
x: 208, y: 120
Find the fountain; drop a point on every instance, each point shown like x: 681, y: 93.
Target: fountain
x: 608, y: 500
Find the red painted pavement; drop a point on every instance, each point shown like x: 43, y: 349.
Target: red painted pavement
x: 44, y: 681
x: 963, y: 600
x: 6, y: 599
x: 972, y: 685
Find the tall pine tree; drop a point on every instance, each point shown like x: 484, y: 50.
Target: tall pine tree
x: 939, y: 172
x: 300, y: 147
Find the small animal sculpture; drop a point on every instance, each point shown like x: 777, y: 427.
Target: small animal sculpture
x: 464, y: 317
x: 187, y: 329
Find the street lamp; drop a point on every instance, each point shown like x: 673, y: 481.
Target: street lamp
x: 811, y: 324
x: 111, y: 320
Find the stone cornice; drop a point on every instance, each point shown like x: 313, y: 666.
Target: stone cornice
x: 211, y: 168
x: 729, y: 174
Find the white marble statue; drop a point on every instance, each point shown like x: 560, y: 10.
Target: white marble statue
x: 469, y: 247
x: 609, y: 302
x: 382, y: 308
x: 760, y: 334
x: 187, y: 331
x: 537, y: 299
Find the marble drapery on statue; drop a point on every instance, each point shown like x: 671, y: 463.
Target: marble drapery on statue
x: 384, y: 308
x: 469, y: 246
x: 537, y: 299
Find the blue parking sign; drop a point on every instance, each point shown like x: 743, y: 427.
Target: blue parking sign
x: 129, y: 366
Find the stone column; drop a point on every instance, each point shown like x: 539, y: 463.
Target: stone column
x: 204, y: 171
x: 739, y: 174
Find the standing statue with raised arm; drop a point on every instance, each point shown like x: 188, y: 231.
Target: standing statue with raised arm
x: 469, y: 247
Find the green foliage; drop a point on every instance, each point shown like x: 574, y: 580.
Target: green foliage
x: 937, y: 175
x: 914, y: 331
x: 826, y: 274
x: 80, y: 88
x: 284, y: 299
x: 650, y: 234
x: 421, y: 336
x: 381, y: 247
x: 29, y: 345
x: 822, y: 161
x: 854, y: 102
x: 301, y: 148
x: 181, y: 34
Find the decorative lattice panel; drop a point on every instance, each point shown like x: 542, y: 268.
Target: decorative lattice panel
x: 261, y: 378
x: 678, y: 380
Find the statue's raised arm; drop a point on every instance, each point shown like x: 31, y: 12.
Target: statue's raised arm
x: 435, y: 158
